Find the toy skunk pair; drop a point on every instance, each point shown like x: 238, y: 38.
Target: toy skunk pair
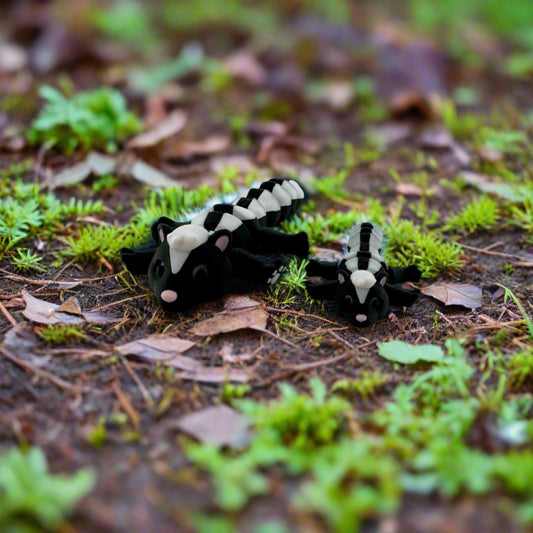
x: 201, y: 260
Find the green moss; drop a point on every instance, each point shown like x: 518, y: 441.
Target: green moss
x: 481, y: 213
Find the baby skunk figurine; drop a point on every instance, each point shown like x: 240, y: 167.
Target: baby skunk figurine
x: 203, y: 259
x: 362, y: 285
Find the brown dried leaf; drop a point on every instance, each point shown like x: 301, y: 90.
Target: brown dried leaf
x: 210, y: 145
x: 408, y: 189
x: 234, y: 303
x: 159, y: 348
x: 219, y: 426
x: 242, y: 162
x: 44, y: 312
x: 216, y: 374
x: 71, y: 306
x: 172, y: 125
x: 389, y: 134
x: 250, y: 317
x: 439, y: 138
x: 145, y: 173
x: 95, y: 163
x: 461, y: 294
x: 12, y: 57
x: 245, y: 65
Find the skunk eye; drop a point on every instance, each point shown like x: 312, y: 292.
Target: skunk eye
x: 348, y: 300
x: 199, y: 272
x: 159, y: 268
x: 375, y: 303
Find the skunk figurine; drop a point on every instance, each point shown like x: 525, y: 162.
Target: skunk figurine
x: 201, y: 260
x: 362, y: 285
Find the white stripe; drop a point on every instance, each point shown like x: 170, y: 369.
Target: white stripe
x: 268, y: 201
x: 228, y: 222
x: 243, y: 214
x: 182, y: 241
x: 290, y: 188
x: 281, y: 195
x: 299, y: 190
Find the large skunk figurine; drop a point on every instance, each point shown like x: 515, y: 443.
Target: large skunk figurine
x: 362, y: 285
x: 199, y: 261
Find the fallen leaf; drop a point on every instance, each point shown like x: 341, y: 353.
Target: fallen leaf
x: 491, y: 155
x: 158, y: 348
x: 245, y: 65
x: 170, y: 126
x: 185, y: 148
x: 94, y: 163
x: 145, y: 173
x: 295, y: 142
x: 219, y: 426
x: 461, y: 294
x: 408, y: 189
x: 338, y: 94
x: 389, y: 134
x: 71, y: 175
x: 250, y: 317
x: 438, y: 138
x: 261, y: 129
x: 216, y: 374
x: 242, y: 162
x: 234, y: 303
x: 101, y: 164
x: 44, y: 312
x: 12, y: 57
x: 408, y: 354
x: 71, y: 306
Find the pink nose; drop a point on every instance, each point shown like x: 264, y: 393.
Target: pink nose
x: 360, y: 318
x: 169, y: 296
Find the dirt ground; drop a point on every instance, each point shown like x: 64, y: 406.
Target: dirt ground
x: 54, y: 396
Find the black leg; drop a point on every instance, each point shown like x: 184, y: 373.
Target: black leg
x: 324, y: 269
x: 137, y: 260
x: 254, y: 268
x: 273, y: 241
x: 322, y: 291
x: 401, y: 274
x: 401, y: 297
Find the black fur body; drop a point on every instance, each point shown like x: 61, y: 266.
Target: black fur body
x: 203, y: 259
x: 361, y: 285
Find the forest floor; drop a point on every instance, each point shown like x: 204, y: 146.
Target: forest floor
x: 379, y: 123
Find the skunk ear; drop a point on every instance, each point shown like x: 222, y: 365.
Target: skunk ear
x: 342, y: 276
x: 162, y: 227
x: 221, y: 239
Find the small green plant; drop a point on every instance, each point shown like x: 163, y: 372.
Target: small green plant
x: 509, y: 294
x: 62, y: 333
x: 232, y: 392
x: 32, y: 497
x: 365, y: 386
x: 408, y: 244
x: 97, y: 119
x: 25, y: 260
x: 322, y: 229
x: 94, y: 242
x: 292, y: 283
x: 520, y: 367
x: 332, y: 186
x: 18, y: 220
x: 481, y: 213
x: 523, y: 218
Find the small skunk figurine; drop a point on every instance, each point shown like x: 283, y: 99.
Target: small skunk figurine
x: 362, y: 285
x: 202, y: 260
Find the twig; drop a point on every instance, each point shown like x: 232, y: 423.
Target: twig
x: 125, y: 403
x: 299, y: 313
x: 310, y: 366
x: 498, y: 254
x: 60, y: 383
x: 144, y: 391
x: 7, y: 314
x: 112, y: 304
